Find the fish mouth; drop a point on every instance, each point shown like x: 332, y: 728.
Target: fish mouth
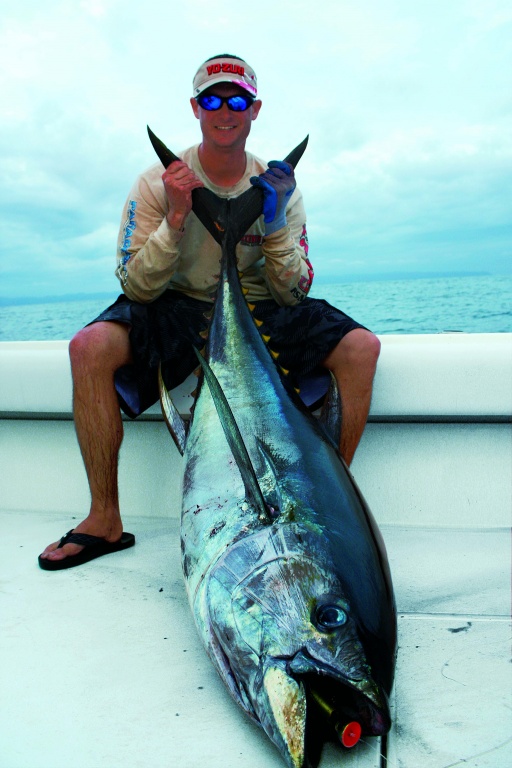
x: 353, y: 697
x: 302, y: 703
x: 337, y: 712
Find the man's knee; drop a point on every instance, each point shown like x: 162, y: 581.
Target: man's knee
x: 362, y: 346
x: 359, y: 349
x: 103, y: 345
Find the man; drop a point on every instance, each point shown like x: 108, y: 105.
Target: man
x: 168, y: 267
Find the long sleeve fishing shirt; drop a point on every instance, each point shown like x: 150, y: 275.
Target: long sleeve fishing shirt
x: 153, y: 258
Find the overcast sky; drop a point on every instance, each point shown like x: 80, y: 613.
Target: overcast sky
x: 408, y: 106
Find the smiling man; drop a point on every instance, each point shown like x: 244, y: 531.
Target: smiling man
x: 168, y: 267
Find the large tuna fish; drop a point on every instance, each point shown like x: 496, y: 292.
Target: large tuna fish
x: 285, y: 569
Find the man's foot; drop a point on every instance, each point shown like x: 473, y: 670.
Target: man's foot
x: 90, y: 548
x: 76, y: 541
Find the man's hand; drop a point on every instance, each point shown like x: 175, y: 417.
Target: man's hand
x: 179, y: 181
x: 277, y: 183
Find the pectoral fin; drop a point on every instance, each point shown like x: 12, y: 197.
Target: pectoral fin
x: 236, y: 442
x: 331, y: 414
x: 175, y: 424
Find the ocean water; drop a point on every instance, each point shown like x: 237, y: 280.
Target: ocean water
x: 476, y: 304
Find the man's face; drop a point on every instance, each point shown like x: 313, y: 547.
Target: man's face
x: 224, y: 128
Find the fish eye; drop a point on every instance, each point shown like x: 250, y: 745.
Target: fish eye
x: 330, y: 616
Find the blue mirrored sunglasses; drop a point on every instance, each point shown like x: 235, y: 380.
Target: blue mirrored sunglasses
x: 212, y: 102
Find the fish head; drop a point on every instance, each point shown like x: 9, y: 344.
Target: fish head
x: 287, y: 639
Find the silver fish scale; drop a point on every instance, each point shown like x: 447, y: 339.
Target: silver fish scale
x: 258, y: 579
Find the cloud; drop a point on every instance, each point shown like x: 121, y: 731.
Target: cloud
x: 407, y: 105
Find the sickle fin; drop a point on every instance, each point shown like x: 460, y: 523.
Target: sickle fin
x: 331, y: 415
x: 175, y: 424
x: 236, y: 442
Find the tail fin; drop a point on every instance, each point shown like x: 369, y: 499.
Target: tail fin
x: 220, y: 215
x: 245, y: 209
x: 165, y: 155
x: 296, y: 154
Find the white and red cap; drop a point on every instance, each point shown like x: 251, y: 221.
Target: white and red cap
x: 225, y: 69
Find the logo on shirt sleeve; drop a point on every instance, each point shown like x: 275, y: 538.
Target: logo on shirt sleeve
x: 302, y: 289
x: 252, y: 240
x: 129, y: 228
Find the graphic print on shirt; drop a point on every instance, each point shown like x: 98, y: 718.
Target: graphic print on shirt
x: 302, y: 289
x: 128, y: 230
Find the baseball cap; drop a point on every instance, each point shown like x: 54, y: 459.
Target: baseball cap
x: 225, y: 69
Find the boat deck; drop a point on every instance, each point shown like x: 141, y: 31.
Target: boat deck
x: 102, y: 666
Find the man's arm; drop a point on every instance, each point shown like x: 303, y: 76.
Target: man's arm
x: 152, y: 226
x: 288, y: 271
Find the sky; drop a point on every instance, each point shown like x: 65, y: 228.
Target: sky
x: 408, y: 106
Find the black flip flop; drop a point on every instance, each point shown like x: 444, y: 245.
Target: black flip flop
x: 93, y: 546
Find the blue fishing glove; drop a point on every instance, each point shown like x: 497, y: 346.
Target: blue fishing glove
x: 277, y: 183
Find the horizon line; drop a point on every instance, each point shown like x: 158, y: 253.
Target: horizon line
x: 6, y: 301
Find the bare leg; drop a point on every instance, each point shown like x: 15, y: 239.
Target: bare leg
x: 96, y: 352
x: 353, y: 362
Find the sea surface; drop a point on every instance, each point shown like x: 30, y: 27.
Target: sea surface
x: 475, y: 304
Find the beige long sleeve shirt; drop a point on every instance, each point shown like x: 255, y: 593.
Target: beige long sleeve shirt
x: 152, y: 257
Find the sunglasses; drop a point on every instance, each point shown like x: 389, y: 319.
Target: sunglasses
x: 211, y: 102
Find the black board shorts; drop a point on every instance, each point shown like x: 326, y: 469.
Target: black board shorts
x: 166, y: 330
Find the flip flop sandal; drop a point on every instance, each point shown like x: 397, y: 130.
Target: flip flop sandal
x: 93, y: 546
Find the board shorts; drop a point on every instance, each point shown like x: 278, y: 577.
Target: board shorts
x: 166, y: 331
